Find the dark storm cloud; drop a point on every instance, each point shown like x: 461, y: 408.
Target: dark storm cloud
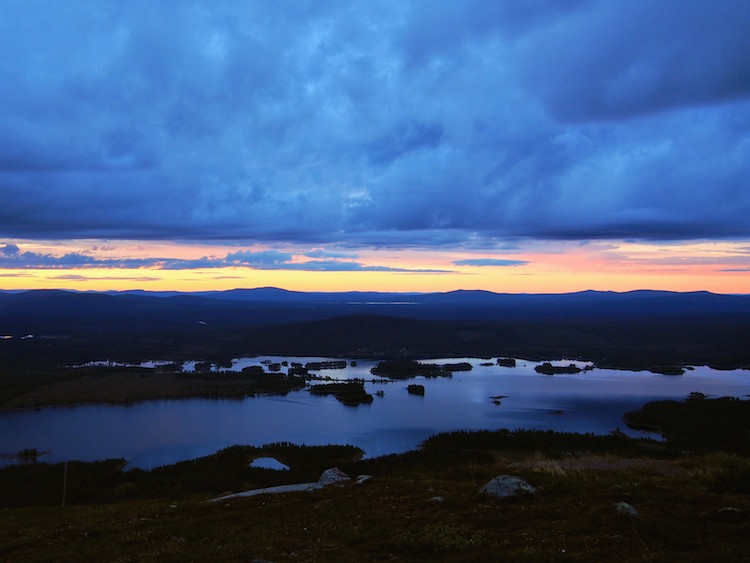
x: 388, y: 124
x: 616, y: 60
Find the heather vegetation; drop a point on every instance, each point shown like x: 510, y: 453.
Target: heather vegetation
x: 598, y: 498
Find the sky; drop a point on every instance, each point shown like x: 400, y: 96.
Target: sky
x: 546, y: 146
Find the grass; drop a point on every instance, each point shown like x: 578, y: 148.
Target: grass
x: 418, y: 506
x: 396, y: 517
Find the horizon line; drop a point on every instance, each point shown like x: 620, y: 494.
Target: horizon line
x: 281, y: 289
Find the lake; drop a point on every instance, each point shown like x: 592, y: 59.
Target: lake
x: 155, y: 433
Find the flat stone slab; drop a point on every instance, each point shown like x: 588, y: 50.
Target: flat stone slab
x: 328, y: 477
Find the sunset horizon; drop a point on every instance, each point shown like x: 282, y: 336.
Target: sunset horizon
x: 376, y: 147
x: 537, y: 268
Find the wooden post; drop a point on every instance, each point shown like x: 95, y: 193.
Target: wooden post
x: 65, y: 482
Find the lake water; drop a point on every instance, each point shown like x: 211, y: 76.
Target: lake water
x: 160, y: 432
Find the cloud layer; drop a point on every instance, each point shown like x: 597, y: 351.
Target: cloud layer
x: 387, y: 124
x: 11, y: 257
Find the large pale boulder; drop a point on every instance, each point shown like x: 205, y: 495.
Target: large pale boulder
x: 269, y: 463
x: 331, y: 476
x: 507, y: 486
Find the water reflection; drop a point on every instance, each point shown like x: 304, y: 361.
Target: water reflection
x: 160, y: 432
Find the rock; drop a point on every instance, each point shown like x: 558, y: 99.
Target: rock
x: 331, y: 476
x: 269, y: 463
x: 296, y: 488
x: 437, y: 499
x: 415, y: 389
x: 733, y: 509
x: 362, y: 479
x: 506, y: 486
x: 328, y: 477
x: 625, y: 508
x: 667, y: 370
x: 731, y: 514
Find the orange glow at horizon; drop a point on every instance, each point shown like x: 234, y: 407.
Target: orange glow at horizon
x: 519, y: 281
x: 548, y: 268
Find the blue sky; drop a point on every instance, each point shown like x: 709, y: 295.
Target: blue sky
x: 347, y: 127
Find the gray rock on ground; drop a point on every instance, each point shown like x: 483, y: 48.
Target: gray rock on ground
x: 626, y: 508
x: 507, y: 486
x: 328, y: 477
x: 730, y: 509
x: 331, y: 476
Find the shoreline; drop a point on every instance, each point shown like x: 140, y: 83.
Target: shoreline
x: 121, y: 385
x: 597, y: 497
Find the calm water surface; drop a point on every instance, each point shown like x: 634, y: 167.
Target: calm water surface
x: 161, y: 432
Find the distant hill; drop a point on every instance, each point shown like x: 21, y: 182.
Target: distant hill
x: 54, y: 311
x: 637, y: 328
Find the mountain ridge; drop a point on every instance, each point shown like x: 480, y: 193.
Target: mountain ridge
x: 60, y: 312
x: 640, y: 328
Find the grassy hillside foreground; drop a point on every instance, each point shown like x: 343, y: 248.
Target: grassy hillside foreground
x: 692, y: 495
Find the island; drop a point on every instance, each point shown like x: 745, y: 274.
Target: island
x: 548, y: 369
x: 407, y: 368
x: 125, y: 385
x: 415, y: 389
x: 351, y: 393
